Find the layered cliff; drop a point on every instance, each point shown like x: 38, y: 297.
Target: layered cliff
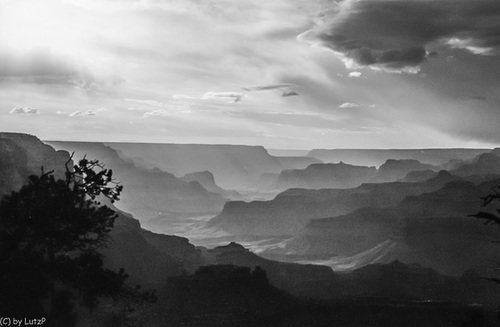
x: 147, y: 257
x: 317, y: 176
x: 207, y: 180
x: 148, y: 192
x: 22, y: 155
x: 234, y: 166
x: 291, y: 210
x: 376, y: 157
x: 393, y: 170
x: 431, y: 229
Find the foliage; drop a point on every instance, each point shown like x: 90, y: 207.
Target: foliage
x: 490, y: 218
x: 50, y: 234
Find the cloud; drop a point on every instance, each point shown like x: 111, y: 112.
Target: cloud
x: 37, y: 62
x: 398, y: 35
x: 183, y: 97
x: 25, y: 111
x: 286, y: 89
x: 87, y: 113
x: 154, y: 113
x: 348, y: 105
x: 231, y: 97
x: 152, y: 103
x: 354, y: 74
x: 269, y: 87
x: 44, y: 67
x: 289, y: 93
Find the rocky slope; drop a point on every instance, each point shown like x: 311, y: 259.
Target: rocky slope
x: 297, y: 162
x: 317, y: 176
x: 147, y: 257
x: 291, y: 210
x: 22, y: 155
x: 234, y: 166
x: 482, y: 166
x: 431, y: 229
x: 207, y: 180
x: 393, y: 170
x: 148, y: 192
x: 419, y: 176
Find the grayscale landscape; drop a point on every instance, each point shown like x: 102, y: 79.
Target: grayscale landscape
x: 230, y: 163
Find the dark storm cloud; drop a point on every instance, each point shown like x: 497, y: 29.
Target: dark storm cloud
x: 399, y: 34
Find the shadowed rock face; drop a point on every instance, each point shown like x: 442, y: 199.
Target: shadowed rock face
x: 419, y: 176
x: 341, y: 175
x: 483, y: 165
x: 393, y: 170
x: 207, y: 181
x: 223, y: 295
x: 291, y: 210
x: 297, y: 162
x: 431, y: 229
x: 148, y: 192
x: 22, y: 155
x: 325, y: 176
x: 390, y: 280
x: 147, y: 257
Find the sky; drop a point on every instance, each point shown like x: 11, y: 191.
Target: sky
x: 291, y: 74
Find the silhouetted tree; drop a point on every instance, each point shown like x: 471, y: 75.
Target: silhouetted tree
x: 50, y: 234
x: 490, y: 218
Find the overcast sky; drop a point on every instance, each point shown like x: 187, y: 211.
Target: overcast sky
x: 280, y: 73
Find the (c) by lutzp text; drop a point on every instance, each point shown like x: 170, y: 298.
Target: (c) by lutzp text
x: 20, y: 322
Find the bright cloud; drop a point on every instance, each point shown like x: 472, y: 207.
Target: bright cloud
x: 154, y: 113
x: 231, y: 97
x: 87, y: 113
x: 25, y: 111
x: 348, y: 105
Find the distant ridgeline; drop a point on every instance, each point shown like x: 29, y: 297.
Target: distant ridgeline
x: 376, y: 157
